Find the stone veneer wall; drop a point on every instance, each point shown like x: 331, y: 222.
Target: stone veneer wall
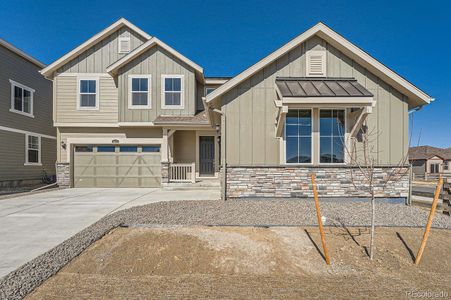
x: 164, y: 173
x: 63, y: 174
x: 294, y: 182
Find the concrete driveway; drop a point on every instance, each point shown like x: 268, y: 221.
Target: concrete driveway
x: 33, y: 224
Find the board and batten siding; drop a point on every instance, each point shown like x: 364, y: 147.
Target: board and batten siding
x: 156, y: 62
x: 66, y: 94
x: 98, y: 57
x: 14, y: 67
x: 251, y: 112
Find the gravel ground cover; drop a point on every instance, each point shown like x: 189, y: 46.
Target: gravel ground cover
x: 294, y: 212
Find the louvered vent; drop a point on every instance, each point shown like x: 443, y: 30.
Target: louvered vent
x: 124, y: 44
x: 316, y: 63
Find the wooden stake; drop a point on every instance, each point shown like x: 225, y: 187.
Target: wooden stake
x: 320, y: 223
x: 429, y: 223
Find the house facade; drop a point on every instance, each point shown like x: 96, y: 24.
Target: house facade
x: 430, y: 162
x: 28, y: 138
x: 132, y: 111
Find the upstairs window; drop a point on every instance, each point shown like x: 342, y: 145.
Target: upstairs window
x: 88, y: 94
x: 172, y: 92
x: 139, y: 96
x: 124, y: 44
x: 316, y: 63
x: 21, y: 99
x: 332, y: 135
x: 209, y: 90
x: 32, y: 150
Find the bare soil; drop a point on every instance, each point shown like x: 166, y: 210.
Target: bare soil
x: 253, y: 262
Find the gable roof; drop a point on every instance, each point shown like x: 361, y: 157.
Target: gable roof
x: 427, y: 152
x: 416, y: 96
x: 21, y: 53
x: 112, y: 69
x: 47, y: 72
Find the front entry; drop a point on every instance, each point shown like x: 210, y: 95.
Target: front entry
x: 206, y: 156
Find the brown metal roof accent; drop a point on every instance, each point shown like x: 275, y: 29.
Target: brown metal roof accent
x: 320, y: 87
x: 199, y: 119
x: 426, y: 152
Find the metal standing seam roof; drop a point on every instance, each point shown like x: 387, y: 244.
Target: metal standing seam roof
x: 199, y: 119
x: 320, y: 87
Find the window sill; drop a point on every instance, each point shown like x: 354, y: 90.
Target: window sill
x: 33, y: 164
x: 21, y: 113
x: 87, y: 108
x: 140, y: 107
x: 172, y: 107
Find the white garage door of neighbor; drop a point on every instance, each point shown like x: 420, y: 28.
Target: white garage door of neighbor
x: 117, y: 166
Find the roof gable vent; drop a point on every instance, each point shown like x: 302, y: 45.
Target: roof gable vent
x: 124, y: 44
x: 316, y: 63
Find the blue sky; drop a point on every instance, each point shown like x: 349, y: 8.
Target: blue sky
x: 225, y: 37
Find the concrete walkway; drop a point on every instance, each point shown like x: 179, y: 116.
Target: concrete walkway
x: 33, y: 224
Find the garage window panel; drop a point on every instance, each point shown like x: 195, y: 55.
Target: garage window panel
x: 106, y: 148
x: 151, y: 149
x: 128, y: 148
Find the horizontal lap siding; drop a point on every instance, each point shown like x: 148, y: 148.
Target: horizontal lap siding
x: 156, y: 62
x: 22, y: 71
x: 250, y: 104
x: 67, y: 97
x: 12, y: 158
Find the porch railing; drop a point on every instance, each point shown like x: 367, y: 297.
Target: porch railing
x: 182, y: 172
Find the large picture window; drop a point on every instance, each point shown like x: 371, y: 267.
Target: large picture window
x: 172, y: 93
x: 21, y: 99
x: 332, y: 135
x: 298, y: 135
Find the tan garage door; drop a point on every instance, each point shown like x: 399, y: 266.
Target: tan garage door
x: 117, y: 166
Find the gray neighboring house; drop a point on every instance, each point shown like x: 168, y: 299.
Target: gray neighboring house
x: 430, y: 162
x: 132, y: 111
x: 28, y: 138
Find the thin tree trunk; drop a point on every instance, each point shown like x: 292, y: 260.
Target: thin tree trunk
x: 373, y: 220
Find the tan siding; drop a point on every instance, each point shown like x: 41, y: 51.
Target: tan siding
x: 16, y: 68
x: 67, y: 97
x: 97, y: 58
x: 247, y: 104
x: 184, y: 146
x: 156, y: 62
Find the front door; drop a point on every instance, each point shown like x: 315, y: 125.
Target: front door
x: 206, y: 156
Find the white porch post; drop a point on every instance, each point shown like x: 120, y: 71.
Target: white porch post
x: 164, y: 146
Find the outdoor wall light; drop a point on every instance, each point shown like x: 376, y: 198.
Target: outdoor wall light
x: 115, y: 141
x: 217, y: 128
x: 63, y: 145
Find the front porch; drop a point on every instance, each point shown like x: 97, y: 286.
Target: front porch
x: 190, y: 155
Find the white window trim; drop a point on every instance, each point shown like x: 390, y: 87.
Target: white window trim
x: 79, y: 79
x: 182, y: 91
x: 345, y: 137
x: 27, y: 163
x: 149, y: 92
x: 24, y: 87
x: 321, y: 53
x: 119, y: 40
x: 311, y: 141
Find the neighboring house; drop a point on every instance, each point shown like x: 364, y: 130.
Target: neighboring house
x: 28, y: 138
x: 429, y: 162
x: 132, y: 111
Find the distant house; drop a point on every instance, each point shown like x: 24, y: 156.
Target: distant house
x: 27, y: 135
x: 430, y: 161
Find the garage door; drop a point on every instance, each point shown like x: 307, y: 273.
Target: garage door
x: 117, y: 166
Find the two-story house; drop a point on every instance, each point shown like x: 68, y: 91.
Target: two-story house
x: 27, y: 135
x: 129, y: 113
x: 132, y: 111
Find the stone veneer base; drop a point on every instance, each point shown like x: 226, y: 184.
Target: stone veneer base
x: 63, y: 174
x: 294, y: 182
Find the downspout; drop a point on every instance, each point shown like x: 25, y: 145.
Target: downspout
x: 224, y: 161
